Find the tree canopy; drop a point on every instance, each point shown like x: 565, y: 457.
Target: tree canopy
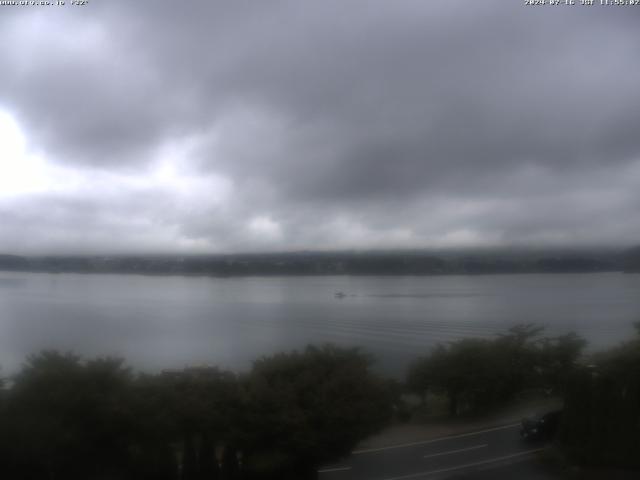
x: 65, y: 417
x: 476, y: 373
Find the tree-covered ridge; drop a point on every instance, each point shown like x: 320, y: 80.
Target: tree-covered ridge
x: 332, y: 263
x: 632, y: 260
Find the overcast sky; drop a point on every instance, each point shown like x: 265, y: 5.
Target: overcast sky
x: 232, y: 126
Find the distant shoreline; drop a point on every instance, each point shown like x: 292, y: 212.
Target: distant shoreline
x: 305, y: 275
x: 330, y: 264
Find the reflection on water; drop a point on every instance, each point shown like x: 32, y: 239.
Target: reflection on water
x: 425, y: 295
x: 158, y: 322
x: 9, y: 282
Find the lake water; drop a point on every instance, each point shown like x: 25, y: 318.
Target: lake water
x: 172, y: 321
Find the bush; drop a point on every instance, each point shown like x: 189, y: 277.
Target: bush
x: 73, y: 419
x: 479, y: 374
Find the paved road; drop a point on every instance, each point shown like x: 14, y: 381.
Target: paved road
x: 469, y: 455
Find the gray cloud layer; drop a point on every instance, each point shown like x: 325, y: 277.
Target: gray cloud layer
x: 245, y: 125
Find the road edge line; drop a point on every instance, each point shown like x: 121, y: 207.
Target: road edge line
x: 336, y: 469
x: 433, y: 440
x: 468, y: 465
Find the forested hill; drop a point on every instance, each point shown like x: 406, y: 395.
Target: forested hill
x: 336, y: 263
x: 632, y: 260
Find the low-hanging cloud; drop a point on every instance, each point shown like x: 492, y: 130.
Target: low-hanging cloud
x: 237, y: 126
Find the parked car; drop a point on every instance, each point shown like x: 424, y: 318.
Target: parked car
x: 541, y: 427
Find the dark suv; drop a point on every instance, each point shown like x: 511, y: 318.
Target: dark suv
x: 543, y: 427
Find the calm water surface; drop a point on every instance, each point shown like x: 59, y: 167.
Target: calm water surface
x: 169, y: 322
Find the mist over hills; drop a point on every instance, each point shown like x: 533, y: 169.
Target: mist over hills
x: 632, y: 260
x: 420, y: 262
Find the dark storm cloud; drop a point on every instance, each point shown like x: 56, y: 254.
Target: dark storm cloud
x: 371, y: 123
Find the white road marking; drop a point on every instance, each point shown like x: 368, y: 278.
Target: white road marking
x: 337, y: 469
x: 468, y: 465
x: 425, y: 442
x: 451, y: 452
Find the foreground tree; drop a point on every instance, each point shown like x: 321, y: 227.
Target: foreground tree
x: 601, y: 421
x: 306, y: 408
x: 4, y: 440
x: 478, y: 374
x: 70, y: 420
x: 557, y: 360
x: 65, y: 418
